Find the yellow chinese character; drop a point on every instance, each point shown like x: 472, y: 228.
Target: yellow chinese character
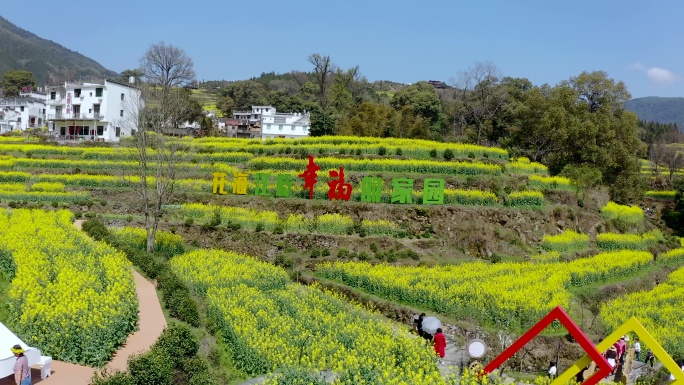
x: 240, y: 183
x: 219, y: 183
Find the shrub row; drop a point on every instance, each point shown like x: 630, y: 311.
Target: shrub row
x: 175, y: 294
x: 171, y: 360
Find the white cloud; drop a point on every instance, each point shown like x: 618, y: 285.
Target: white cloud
x: 637, y: 66
x: 661, y: 75
x: 657, y: 75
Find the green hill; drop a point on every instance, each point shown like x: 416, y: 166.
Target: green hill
x: 22, y: 50
x: 657, y: 109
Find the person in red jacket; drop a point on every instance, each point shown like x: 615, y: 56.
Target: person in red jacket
x: 440, y: 345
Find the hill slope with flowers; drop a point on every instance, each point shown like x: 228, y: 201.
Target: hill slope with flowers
x: 403, y: 225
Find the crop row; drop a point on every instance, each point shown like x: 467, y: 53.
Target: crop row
x: 667, y: 195
x: 541, y: 182
x: 165, y: 242
x: 451, y: 196
x: 525, y: 167
x: 567, y: 241
x: 86, y: 180
x: 97, y: 165
x: 571, y: 241
x: 612, y: 241
x: 377, y: 165
x: 117, y: 153
x: 507, y: 295
x: 659, y: 310
x: 622, y: 213
x: 40, y: 196
x: 71, y: 297
x: 330, y: 145
x: 292, y: 223
x: 368, y: 145
x: 271, y: 325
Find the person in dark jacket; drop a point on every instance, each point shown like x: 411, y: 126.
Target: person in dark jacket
x: 418, y: 324
x: 611, y: 357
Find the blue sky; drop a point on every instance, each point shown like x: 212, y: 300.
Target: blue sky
x: 638, y: 42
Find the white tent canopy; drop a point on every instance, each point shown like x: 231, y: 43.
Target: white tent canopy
x: 7, y: 359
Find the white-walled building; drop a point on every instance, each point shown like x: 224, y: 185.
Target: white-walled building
x: 253, y: 117
x: 104, y: 110
x: 275, y: 125
x: 22, y: 113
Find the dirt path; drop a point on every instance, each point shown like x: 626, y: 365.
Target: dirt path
x: 151, y: 323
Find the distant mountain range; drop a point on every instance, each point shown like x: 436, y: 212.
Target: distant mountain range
x: 657, y: 109
x: 22, y: 50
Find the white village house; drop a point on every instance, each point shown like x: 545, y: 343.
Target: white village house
x: 273, y: 124
x: 20, y: 113
x: 104, y: 110
x: 253, y: 117
x: 277, y: 125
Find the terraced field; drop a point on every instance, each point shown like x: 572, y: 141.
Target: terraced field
x: 460, y: 231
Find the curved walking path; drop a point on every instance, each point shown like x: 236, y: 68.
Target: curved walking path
x: 151, y: 323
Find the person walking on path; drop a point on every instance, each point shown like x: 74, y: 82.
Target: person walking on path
x: 440, y: 345
x: 681, y: 364
x: 418, y: 324
x: 637, y: 349
x: 22, y: 371
x: 553, y: 370
x: 650, y: 358
x: 622, y: 348
x: 611, y: 357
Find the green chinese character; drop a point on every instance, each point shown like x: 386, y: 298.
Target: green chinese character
x: 261, y: 188
x: 401, y: 190
x: 433, y: 191
x: 284, y: 186
x: 371, y: 189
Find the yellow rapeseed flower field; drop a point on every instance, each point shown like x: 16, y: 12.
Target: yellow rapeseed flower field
x: 487, y: 292
x: 273, y: 324
x: 567, y: 241
x: 659, y: 310
x: 71, y: 297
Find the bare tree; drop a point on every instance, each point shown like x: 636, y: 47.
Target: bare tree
x: 160, y: 105
x: 673, y: 159
x: 478, y: 97
x: 323, y: 69
x: 353, y: 81
x: 657, y: 156
x: 167, y: 66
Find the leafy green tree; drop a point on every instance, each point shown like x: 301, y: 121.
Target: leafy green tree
x: 369, y: 119
x: 207, y: 126
x: 126, y: 75
x: 186, y: 108
x: 580, y: 121
x: 340, y: 98
x: 290, y: 103
x: 422, y: 99
x: 539, y: 121
x: 322, y: 122
x: 245, y: 94
x: 674, y: 216
x: 583, y: 177
x: 226, y: 104
x: 14, y: 81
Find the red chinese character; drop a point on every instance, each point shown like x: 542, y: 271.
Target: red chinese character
x: 339, y: 189
x: 310, y: 176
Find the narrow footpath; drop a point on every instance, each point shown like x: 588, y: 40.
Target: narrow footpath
x: 151, y: 323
